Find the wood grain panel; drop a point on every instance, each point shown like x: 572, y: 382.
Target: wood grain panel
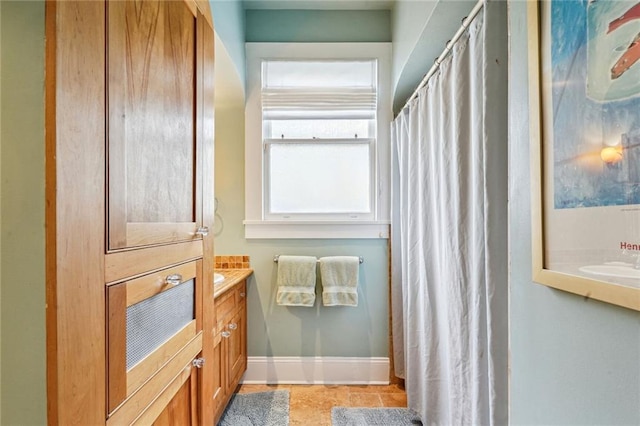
x: 219, y: 377
x: 156, y: 359
x: 198, y: 294
x: 236, y: 349
x: 145, y: 234
x: 173, y: 406
x: 144, y: 287
x: 75, y: 222
x: 196, y: 397
x: 205, y: 9
x: 117, y: 345
x: 130, y: 410
x: 126, y: 264
x: 116, y: 189
x: 51, y: 235
x: 193, y: 7
x: 225, y: 306
x: 152, y: 145
x: 205, y: 133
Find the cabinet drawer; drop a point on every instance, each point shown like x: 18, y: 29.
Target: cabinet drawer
x: 150, y: 399
x: 123, y: 265
x: 241, y: 292
x: 228, y: 303
x: 150, y: 319
x: 225, y: 305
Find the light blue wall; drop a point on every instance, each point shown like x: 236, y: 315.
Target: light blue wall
x: 22, y: 244
x: 228, y: 20
x: 296, y: 331
x: 420, y: 31
x: 318, y: 26
x: 408, y: 20
x: 573, y: 361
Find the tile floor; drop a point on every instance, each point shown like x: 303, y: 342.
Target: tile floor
x: 310, y: 405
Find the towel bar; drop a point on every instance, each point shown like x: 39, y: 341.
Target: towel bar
x: 275, y: 258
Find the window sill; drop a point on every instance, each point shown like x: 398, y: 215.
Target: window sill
x: 291, y: 229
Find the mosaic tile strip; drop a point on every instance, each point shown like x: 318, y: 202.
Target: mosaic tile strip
x: 232, y: 262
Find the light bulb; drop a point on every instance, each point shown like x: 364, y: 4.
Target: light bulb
x: 611, y: 154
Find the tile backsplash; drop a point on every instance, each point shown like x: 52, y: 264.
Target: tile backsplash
x: 231, y: 262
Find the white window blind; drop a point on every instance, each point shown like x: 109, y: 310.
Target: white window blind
x: 319, y: 89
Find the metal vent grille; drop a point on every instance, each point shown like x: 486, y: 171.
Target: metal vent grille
x: 153, y: 321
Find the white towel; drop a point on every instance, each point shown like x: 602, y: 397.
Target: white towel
x: 339, y: 280
x: 296, y: 280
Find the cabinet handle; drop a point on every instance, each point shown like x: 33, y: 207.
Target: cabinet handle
x: 173, y: 279
x: 243, y: 294
x: 203, y: 230
x: 225, y: 334
x: 233, y: 326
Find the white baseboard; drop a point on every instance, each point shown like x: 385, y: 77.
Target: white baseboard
x: 317, y: 370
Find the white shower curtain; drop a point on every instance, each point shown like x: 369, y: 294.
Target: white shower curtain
x: 449, y: 233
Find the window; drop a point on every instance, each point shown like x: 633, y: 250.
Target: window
x: 317, y: 140
x: 318, y: 124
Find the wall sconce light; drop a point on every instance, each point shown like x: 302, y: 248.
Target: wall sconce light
x: 611, y: 154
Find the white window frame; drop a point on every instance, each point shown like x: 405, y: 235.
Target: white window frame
x: 314, y: 217
x: 256, y: 224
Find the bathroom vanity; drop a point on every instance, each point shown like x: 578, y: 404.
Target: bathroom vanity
x: 230, y: 335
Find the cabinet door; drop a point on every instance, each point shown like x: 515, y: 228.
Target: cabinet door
x: 183, y: 408
x: 219, y: 377
x: 154, y: 186
x: 236, y: 349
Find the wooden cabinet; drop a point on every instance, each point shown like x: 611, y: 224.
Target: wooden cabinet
x: 231, y: 331
x: 129, y: 134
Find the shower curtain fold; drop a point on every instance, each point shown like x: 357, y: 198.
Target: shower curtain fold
x: 449, y: 234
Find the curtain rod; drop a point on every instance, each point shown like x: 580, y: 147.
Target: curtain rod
x: 465, y: 24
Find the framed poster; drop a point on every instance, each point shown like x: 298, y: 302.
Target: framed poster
x: 584, y: 71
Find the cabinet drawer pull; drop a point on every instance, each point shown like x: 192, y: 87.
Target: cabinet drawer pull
x: 233, y: 326
x: 203, y: 230
x: 243, y: 294
x: 173, y: 279
x: 225, y: 334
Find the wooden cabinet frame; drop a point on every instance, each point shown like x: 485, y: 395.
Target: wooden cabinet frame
x: 77, y: 264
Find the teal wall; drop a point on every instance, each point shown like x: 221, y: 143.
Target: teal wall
x: 22, y: 279
x: 408, y: 20
x: 573, y: 361
x: 228, y: 20
x: 318, y: 26
x: 296, y: 331
x: 421, y: 30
